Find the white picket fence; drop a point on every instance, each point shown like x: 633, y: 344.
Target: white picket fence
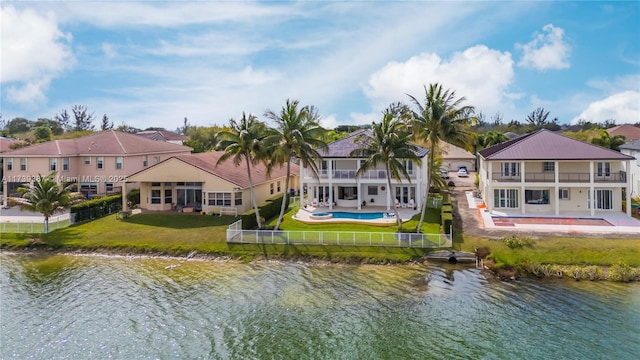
x: 32, y: 224
x: 235, y: 235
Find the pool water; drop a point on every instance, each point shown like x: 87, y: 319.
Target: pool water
x: 357, y: 215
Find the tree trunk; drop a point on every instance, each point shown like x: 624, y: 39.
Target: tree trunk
x: 46, y: 224
x: 284, y: 198
x: 253, y: 198
x: 395, y: 209
x: 426, y: 197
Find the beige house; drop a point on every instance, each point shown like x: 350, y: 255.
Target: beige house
x: 453, y: 157
x: 196, y: 182
x: 547, y: 173
x: 99, y: 163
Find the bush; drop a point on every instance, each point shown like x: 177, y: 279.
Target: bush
x: 518, y: 242
x: 447, y: 222
x: 268, y: 210
x: 96, y: 208
x: 622, y: 272
x: 133, y: 197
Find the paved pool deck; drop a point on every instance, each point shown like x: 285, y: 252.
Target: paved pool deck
x: 621, y: 223
x: 305, y: 215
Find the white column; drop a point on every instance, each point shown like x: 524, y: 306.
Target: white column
x: 556, y: 197
x: 330, y: 184
x: 628, y: 189
x: 124, y: 196
x: 523, y: 203
x: 591, y: 194
x: 5, y: 194
x: 301, y: 186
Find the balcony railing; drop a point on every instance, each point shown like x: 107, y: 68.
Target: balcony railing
x: 563, y: 177
x: 351, y: 174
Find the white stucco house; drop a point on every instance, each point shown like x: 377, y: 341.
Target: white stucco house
x: 632, y: 148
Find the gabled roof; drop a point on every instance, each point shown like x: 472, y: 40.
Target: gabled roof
x: 631, y: 145
x: 547, y: 145
x: 227, y: 170
x: 162, y: 135
x: 343, y: 147
x: 450, y: 151
x: 108, y: 142
x: 629, y: 132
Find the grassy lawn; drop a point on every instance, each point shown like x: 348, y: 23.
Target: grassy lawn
x: 180, y: 234
x: 562, y: 251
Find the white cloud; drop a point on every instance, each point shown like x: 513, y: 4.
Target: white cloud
x: 623, y: 107
x: 34, y: 51
x: 480, y: 74
x: 109, y: 50
x: 546, y: 51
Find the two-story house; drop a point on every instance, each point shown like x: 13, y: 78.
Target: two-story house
x: 99, y: 163
x: 547, y: 173
x: 338, y: 185
x: 632, y: 148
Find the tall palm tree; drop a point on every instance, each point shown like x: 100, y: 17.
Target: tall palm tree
x: 441, y: 117
x: 607, y: 141
x: 46, y: 196
x: 241, y: 141
x: 297, y: 134
x: 389, y: 145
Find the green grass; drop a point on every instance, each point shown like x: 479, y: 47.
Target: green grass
x: 562, y: 251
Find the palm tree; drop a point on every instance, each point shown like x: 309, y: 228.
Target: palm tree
x: 46, y: 196
x: 607, y: 141
x: 491, y: 138
x: 297, y: 134
x: 441, y: 118
x: 388, y: 145
x: 242, y: 142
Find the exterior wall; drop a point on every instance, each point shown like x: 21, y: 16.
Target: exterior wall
x: 634, y: 171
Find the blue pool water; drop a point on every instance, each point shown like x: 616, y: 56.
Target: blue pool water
x: 355, y: 215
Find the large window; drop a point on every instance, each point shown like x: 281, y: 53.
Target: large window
x: 536, y: 197
x: 563, y: 194
x: 168, y: 196
x: 238, y: 198
x: 271, y: 188
x: 548, y: 166
x: 372, y: 190
x: 99, y: 162
x: 87, y: 160
x: 603, y: 169
x: 23, y: 164
x: 144, y: 160
x: 9, y: 164
x: 119, y: 161
x: 53, y: 164
x: 65, y: 164
x: 510, y: 169
x: 408, y: 165
x: 603, y: 199
x: 278, y: 189
x: 155, y: 196
x: 219, y: 199
x: 347, y: 193
x: 505, y: 198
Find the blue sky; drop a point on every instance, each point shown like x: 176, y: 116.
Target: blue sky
x: 154, y: 63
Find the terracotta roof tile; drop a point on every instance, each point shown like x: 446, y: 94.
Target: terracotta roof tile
x: 108, y: 142
x: 547, y: 145
x: 232, y: 173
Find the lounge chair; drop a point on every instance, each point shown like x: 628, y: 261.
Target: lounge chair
x: 397, y: 203
x: 412, y: 204
x: 314, y: 202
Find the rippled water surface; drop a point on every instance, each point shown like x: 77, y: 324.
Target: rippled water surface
x: 83, y: 307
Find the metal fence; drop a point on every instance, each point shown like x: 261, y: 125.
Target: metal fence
x: 236, y: 235
x: 35, y: 225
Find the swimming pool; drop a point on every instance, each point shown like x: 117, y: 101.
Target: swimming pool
x: 352, y: 215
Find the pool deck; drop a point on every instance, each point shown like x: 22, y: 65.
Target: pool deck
x: 620, y: 222
x: 304, y: 215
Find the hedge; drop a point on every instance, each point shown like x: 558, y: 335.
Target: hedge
x: 96, y: 208
x: 447, y: 221
x: 269, y: 209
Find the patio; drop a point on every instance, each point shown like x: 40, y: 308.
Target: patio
x: 306, y: 215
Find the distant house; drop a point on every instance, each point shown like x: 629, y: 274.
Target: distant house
x: 99, y: 163
x: 632, y: 148
x: 338, y: 184
x: 164, y: 135
x: 629, y: 132
x: 545, y: 172
x: 454, y: 157
x: 195, y: 182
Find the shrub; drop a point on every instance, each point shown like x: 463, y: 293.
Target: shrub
x: 622, y: 272
x: 447, y: 221
x: 133, y: 197
x: 518, y: 242
x: 593, y: 273
x: 268, y: 210
x: 96, y: 208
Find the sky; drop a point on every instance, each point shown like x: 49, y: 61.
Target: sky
x: 153, y: 63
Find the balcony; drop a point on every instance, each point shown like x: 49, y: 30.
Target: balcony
x: 343, y: 174
x: 563, y: 177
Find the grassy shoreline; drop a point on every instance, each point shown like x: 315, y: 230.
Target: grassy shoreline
x: 179, y: 235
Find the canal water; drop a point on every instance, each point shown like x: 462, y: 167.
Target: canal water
x: 90, y: 307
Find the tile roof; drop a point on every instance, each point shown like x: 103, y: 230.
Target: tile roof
x: 343, y: 147
x: 547, y: 145
x: 108, y: 142
x: 4, y: 143
x: 631, y: 145
x: 629, y: 132
x: 162, y: 135
x: 230, y: 172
